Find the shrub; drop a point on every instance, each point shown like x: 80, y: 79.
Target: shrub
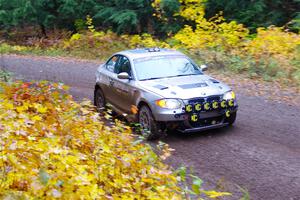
x: 53, y: 147
x: 276, y: 51
x: 94, y: 44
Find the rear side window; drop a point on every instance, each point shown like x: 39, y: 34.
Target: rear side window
x: 111, y: 64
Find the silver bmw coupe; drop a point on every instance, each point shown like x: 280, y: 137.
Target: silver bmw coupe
x: 163, y: 89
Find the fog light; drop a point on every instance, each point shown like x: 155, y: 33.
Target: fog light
x: 223, y: 104
x: 227, y: 113
x: 206, y: 106
x: 194, y: 117
x: 198, y: 107
x: 215, y: 105
x: 231, y: 103
x: 188, y: 108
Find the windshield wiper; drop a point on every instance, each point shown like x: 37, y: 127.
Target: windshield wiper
x: 146, y: 79
x: 181, y: 75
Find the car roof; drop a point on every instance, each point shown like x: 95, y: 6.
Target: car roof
x: 148, y: 52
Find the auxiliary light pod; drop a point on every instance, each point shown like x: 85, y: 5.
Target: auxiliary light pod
x: 206, y: 106
x: 188, y: 108
x: 231, y: 103
x: 215, y: 105
x: 198, y: 107
x: 227, y: 113
x: 194, y: 117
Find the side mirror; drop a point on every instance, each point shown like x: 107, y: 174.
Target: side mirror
x: 123, y: 75
x: 203, y: 67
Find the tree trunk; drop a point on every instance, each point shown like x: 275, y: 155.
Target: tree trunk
x: 43, y: 29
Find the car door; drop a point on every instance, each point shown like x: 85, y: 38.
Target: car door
x: 124, y: 88
x: 109, y: 79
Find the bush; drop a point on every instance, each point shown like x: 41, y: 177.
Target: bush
x: 53, y: 147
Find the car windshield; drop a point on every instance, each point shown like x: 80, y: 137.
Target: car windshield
x: 156, y: 67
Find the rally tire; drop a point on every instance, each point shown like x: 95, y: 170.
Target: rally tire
x: 99, y: 100
x: 231, y: 119
x: 149, y: 127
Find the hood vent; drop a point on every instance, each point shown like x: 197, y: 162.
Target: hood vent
x: 161, y: 87
x: 194, y: 85
x: 214, y: 81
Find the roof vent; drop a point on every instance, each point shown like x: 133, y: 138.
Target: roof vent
x: 155, y: 49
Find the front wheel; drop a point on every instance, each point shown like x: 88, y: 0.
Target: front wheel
x: 150, y: 128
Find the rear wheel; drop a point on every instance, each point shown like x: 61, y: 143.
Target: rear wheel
x: 232, y: 118
x: 99, y: 100
x: 150, y: 128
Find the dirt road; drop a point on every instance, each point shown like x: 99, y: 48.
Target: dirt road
x: 260, y: 153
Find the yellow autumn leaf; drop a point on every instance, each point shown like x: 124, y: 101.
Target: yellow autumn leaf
x: 71, y: 154
x: 36, y: 118
x: 214, y: 194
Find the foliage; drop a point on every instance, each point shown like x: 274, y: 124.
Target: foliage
x: 211, y: 34
x: 53, y: 147
x: 123, y: 16
x: 159, y: 17
x: 144, y: 40
x: 254, y: 14
x: 272, y: 53
x: 94, y: 44
x: 278, y: 49
x: 5, y: 76
x: 274, y: 41
x: 36, y: 50
x: 44, y: 13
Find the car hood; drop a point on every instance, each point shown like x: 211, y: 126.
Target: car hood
x: 185, y: 87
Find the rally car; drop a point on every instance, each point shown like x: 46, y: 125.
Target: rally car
x: 163, y: 89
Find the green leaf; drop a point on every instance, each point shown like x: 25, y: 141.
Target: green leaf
x: 44, y: 176
x: 181, y: 171
x: 196, y: 185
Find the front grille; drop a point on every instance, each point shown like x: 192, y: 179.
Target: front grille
x: 213, y: 98
x: 205, y: 99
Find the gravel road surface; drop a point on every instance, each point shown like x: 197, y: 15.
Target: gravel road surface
x: 260, y: 153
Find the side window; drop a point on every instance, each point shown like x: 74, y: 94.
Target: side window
x: 123, y: 65
x: 111, y: 64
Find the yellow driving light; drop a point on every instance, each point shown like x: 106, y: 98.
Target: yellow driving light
x: 231, y: 102
x: 194, y: 117
x: 188, y: 108
x: 233, y: 94
x: 223, y: 104
x: 206, y: 106
x: 229, y: 95
x: 227, y: 113
x: 215, y: 105
x: 198, y: 107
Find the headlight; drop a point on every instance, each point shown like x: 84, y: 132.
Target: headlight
x: 168, y: 103
x: 229, y: 95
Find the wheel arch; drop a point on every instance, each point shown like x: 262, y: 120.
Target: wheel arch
x: 97, y: 87
x: 143, y: 103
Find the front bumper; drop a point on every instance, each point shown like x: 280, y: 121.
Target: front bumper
x: 188, y: 120
x: 203, y: 128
